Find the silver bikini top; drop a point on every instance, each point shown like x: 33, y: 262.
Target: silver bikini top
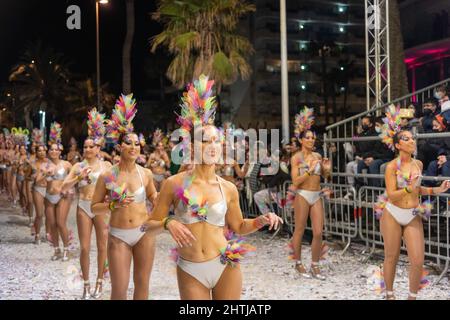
x: 401, y: 181
x: 215, y: 215
x: 60, y: 174
x: 139, y: 194
x: 305, y: 167
x: 93, y: 176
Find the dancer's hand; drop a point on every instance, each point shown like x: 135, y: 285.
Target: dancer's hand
x: 444, y: 186
x: 180, y: 233
x: 326, y: 164
x: 85, y: 172
x: 270, y: 219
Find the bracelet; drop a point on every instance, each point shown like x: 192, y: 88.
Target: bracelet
x: 112, y: 205
x: 166, y: 221
x: 257, y: 223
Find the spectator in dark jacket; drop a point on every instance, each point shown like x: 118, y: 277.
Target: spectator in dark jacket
x: 440, y: 166
x: 429, y: 111
x: 441, y: 94
x: 373, y: 153
x: 426, y: 153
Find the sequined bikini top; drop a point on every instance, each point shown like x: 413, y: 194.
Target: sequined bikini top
x: 215, y: 214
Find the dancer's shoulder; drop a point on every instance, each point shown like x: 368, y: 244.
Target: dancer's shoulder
x: 228, y: 187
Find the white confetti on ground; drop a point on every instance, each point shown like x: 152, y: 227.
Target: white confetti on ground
x: 26, y: 271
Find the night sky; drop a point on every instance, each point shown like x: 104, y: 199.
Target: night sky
x: 22, y: 21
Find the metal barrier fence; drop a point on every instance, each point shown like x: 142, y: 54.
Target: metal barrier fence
x: 352, y: 218
x: 345, y: 131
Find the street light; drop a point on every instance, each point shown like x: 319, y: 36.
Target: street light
x: 98, y: 50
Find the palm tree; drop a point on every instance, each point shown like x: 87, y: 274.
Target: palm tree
x: 201, y: 36
x: 126, y: 53
x: 399, y: 80
x: 42, y: 81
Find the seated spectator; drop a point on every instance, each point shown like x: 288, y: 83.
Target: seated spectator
x: 274, y: 182
x: 429, y: 111
x: 440, y: 166
x: 408, y: 121
x: 373, y: 153
x: 433, y: 147
x: 425, y: 152
x: 441, y: 94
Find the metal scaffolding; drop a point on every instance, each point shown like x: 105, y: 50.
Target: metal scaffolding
x: 378, y: 90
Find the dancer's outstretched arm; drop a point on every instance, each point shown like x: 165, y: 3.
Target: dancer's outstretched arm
x: 235, y: 220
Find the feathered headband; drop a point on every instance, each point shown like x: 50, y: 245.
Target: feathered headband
x: 55, y: 134
x: 20, y: 136
x: 303, y: 121
x: 96, y: 126
x: 391, y: 126
x: 37, y: 136
x: 198, y: 105
x: 122, y: 117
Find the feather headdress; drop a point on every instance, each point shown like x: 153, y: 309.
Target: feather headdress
x: 198, y: 106
x: 391, y: 126
x: 96, y: 126
x: 37, y: 136
x: 20, y: 136
x: 122, y: 117
x: 303, y: 121
x: 55, y: 134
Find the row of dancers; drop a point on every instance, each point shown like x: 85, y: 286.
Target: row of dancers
x: 195, y: 205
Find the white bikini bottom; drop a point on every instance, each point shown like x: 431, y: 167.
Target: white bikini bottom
x: 85, y: 206
x: 402, y: 216
x: 41, y: 190
x: 207, y: 273
x: 53, y: 198
x: 158, y: 177
x: 129, y: 236
x: 310, y: 196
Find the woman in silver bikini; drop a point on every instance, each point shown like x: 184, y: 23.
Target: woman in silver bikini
x: 14, y: 160
x: 7, y: 160
x: 204, y: 203
x: 127, y: 186
x: 401, y: 217
x: 57, y: 203
x: 159, y: 163
x: 28, y: 171
x: 20, y: 177
x: 39, y: 190
x: 306, y: 169
x: 86, y: 174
